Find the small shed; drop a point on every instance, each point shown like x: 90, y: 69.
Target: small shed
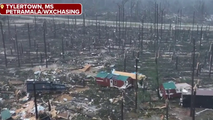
x: 168, y: 90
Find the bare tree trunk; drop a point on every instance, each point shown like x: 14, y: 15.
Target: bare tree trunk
x: 84, y: 31
x: 41, y: 58
x: 201, y: 36
x: 54, y: 25
x: 192, y: 113
x: 48, y: 47
x: 157, y: 77
x: 192, y: 84
x: 167, y: 109
x: 136, y: 81
x: 45, y: 46
x: 96, y: 22
x: 35, y: 25
x: 116, y: 23
x: 157, y: 25
x: 176, y: 63
x: 122, y: 107
x: 11, y: 50
x: 37, y: 52
x: 119, y: 26
x: 8, y: 25
x: 62, y: 43
x: 68, y: 22
x: 35, y: 100
x: 210, y: 65
x: 161, y: 29
x: 99, y: 31
x: 75, y: 22
x: 28, y: 27
x: 124, y: 62
x: 3, y: 40
x: 22, y: 49
x: 30, y: 58
x: 142, y: 37
x: 17, y: 48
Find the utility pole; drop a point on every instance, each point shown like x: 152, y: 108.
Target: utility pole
x: 167, y: 109
x: 35, y: 102
x: 122, y: 105
x: 192, y: 84
x: 157, y: 79
x: 136, y: 81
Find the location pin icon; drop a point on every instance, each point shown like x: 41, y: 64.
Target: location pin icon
x: 2, y: 6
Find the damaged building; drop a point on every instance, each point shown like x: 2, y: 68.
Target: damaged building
x: 119, y: 79
x: 203, y: 98
x: 172, y: 90
x: 111, y: 80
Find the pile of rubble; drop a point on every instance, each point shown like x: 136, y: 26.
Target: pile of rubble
x: 19, y: 102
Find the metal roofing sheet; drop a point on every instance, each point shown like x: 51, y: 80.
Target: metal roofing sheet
x: 201, y: 92
x: 204, y: 92
x: 132, y: 75
x: 182, y: 86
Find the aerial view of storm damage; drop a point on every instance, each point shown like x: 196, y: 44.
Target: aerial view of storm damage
x: 106, y: 60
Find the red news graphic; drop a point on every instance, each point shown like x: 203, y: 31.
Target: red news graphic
x: 40, y: 9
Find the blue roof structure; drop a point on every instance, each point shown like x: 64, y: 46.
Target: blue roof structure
x: 169, y: 85
x: 5, y: 114
x: 102, y: 74
x: 111, y: 76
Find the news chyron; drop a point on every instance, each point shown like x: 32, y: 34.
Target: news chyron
x: 40, y: 9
